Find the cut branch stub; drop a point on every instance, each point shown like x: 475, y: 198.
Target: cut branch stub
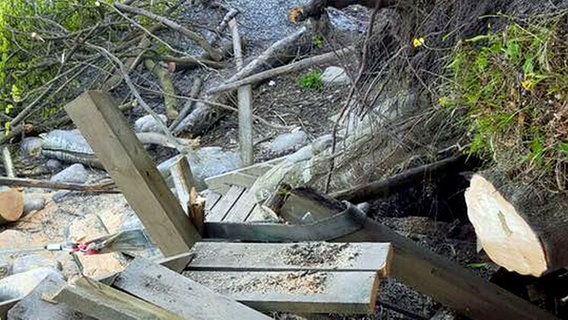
x: 520, y: 228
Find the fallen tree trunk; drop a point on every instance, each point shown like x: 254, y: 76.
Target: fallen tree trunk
x: 170, y: 100
x: 521, y: 228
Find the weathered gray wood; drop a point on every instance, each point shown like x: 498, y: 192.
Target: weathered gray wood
x: 258, y: 214
x: 183, y: 181
x: 244, y: 95
x: 103, y: 302
x: 300, y: 202
x: 35, y: 305
x: 177, y: 263
x: 303, y: 256
x: 225, y: 204
x: 298, y: 292
x: 242, y: 208
x: 212, y: 200
x: 123, y: 156
x: 236, y: 179
x: 244, y: 177
x: 179, y: 294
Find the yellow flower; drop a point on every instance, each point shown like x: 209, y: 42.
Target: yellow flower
x: 527, y: 84
x: 417, y: 42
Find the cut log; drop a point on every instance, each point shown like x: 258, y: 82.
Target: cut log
x: 11, y: 206
x: 521, y: 228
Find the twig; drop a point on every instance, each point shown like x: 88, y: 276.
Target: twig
x: 8, y: 164
x: 33, y: 183
x: 215, y: 54
x: 139, y: 98
x: 268, y: 53
x: 194, y: 93
x: 232, y: 13
x: 300, y: 65
x: 163, y: 76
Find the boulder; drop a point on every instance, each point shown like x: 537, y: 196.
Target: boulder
x: 76, y: 173
x: 288, y: 142
x: 149, y: 124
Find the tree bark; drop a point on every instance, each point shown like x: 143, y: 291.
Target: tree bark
x: 521, y: 228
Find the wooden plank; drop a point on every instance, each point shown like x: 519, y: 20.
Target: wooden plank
x: 297, y: 291
x: 300, y: 202
x: 243, y: 176
x: 179, y: 294
x: 123, y: 156
x: 212, y: 200
x: 225, y: 204
x: 36, y: 305
x: 242, y: 208
x: 103, y: 302
x: 303, y: 256
x: 183, y: 181
x: 259, y: 215
x: 236, y: 179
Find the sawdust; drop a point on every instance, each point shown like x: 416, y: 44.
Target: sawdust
x: 319, y: 254
x: 293, y: 283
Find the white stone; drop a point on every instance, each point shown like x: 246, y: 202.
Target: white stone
x: 73, y: 174
x: 149, y: 124
x: 335, y: 76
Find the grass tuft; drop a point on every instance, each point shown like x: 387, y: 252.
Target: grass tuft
x: 511, y: 87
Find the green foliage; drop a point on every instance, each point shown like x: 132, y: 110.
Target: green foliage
x: 513, y: 88
x: 311, y: 81
x: 27, y: 59
x: 317, y: 41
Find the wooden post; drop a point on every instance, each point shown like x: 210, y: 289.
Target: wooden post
x: 124, y: 158
x: 244, y: 94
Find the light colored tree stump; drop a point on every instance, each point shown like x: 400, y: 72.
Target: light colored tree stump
x: 520, y: 227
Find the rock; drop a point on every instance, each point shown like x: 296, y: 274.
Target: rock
x: 33, y: 261
x: 69, y: 146
x: 5, y: 268
x: 335, y: 76
x: 288, y: 142
x: 60, y: 195
x: 53, y: 165
x: 31, y: 147
x: 13, y: 239
x: 205, y: 162
x: 149, y: 124
x: 19, y: 285
x: 33, y: 202
x: 76, y: 173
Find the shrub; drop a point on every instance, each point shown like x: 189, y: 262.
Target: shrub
x: 311, y: 81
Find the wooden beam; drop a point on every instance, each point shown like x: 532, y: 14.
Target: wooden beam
x: 179, y: 294
x: 103, y: 302
x: 124, y: 158
x: 244, y: 94
x: 445, y: 281
x: 297, y: 291
x: 303, y: 256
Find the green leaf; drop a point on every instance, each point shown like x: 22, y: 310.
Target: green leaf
x: 480, y: 265
x: 564, y: 148
x: 528, y: 67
